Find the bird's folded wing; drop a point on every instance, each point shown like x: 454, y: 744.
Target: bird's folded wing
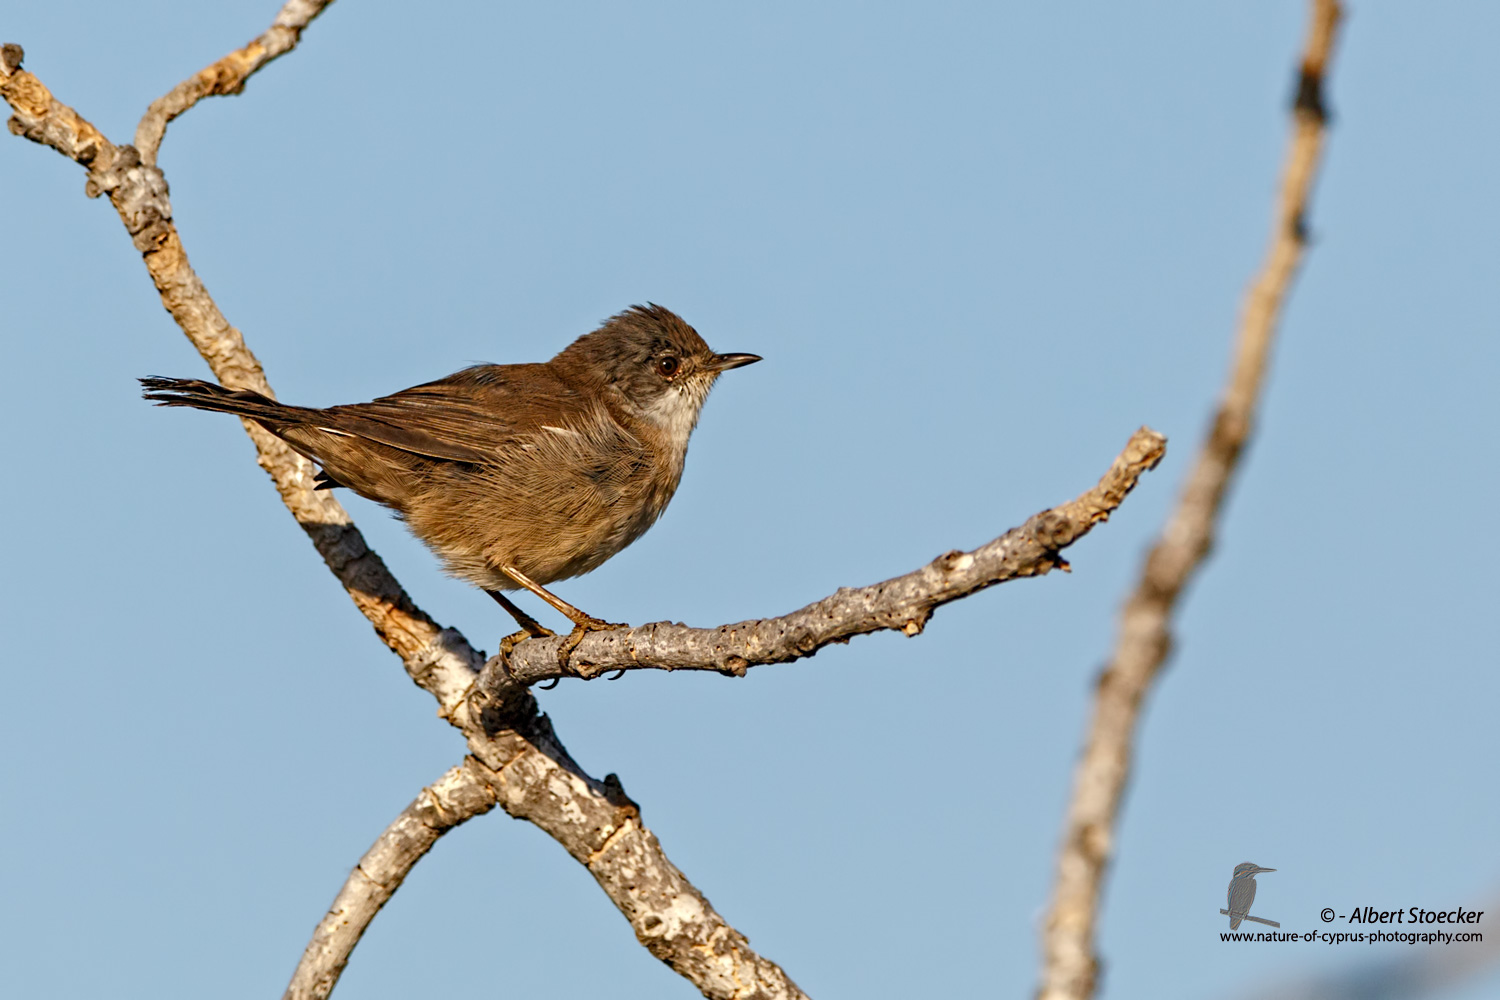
x: 470, y: 416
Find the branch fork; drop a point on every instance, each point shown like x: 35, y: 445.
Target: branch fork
x: 515, y: 760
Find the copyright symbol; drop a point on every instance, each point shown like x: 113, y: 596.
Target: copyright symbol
x: 1327, y: 915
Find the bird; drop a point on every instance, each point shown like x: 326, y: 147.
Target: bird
x: 515, y: 475
x: 1242, y: 892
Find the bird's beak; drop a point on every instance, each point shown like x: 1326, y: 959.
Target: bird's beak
x: 1259, y: 870
x: 724, y: 362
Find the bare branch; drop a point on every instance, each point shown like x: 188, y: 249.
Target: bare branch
x: 41, y: 118
x: 461, y: 794
x: 904, y: 603
x: 227, y: 76
x: 514, y: 749
x: 628, y: 861
x: 1070, y: 967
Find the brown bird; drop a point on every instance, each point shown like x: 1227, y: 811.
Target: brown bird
x: 514, y: 475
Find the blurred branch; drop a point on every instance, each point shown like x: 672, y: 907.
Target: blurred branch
x: 227, y: 76
x: 904, y: 603
x: 1070, y: 968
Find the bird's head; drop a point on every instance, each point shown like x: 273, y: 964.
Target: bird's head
x: 655, y: 366
x: 1249, y: 868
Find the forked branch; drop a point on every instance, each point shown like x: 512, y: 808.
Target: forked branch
x: 516, y: 760
x: 227, y: 76
x: 519, y: 756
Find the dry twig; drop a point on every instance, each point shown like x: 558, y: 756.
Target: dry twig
x: 1069, y: 969
x: 227, y: 76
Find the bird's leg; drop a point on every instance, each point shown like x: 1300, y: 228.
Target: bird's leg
x: 533, y: 628
x: 530, y: 627
x: 583, y: 623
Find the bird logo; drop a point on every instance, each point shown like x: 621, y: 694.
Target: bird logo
x: 1242, y: 894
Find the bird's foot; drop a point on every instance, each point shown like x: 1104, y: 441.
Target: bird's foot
x: 581, y: 627
x: 513, y: 640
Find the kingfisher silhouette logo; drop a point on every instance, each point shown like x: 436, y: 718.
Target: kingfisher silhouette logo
x: 1242, y: 894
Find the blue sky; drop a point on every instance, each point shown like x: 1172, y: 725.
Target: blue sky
x: 978, y: 245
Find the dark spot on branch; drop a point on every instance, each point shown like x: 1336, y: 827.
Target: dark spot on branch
x: 1309, y: 100
x: 614, y: 791
x: 12, y: 54
x: 1299, y: 227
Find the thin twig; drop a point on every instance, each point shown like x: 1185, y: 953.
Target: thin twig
x: 904, y: 603
x: 227, y: 76
x: 1069, y: 967
x: 464, y: 792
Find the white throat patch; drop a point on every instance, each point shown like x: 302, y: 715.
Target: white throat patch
x: 676, y: 411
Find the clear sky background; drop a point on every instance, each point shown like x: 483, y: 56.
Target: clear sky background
x: 978, y: 244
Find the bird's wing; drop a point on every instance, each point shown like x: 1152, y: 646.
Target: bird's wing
x: 470, y: 416
x: 1241, y: 895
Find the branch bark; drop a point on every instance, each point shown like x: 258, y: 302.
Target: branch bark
x: 1069, y: 965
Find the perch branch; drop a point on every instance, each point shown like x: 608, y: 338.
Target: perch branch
x: 227, y: 76
x: 1069, y: 965
x: 904, y: 603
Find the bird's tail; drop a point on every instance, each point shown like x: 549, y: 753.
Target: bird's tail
x: 1234, y: 923
x: 203, y: 395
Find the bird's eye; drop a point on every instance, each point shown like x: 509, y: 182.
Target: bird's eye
x: 667, y: 367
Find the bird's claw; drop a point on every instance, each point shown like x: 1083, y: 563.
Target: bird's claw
x: 581, y: 628
x: 513, y: 640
